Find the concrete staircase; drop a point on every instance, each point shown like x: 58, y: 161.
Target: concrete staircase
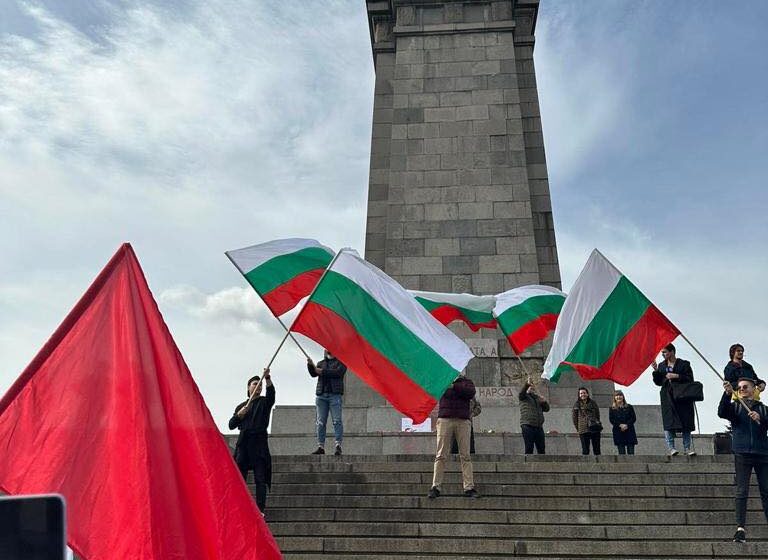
x: 364, y: 507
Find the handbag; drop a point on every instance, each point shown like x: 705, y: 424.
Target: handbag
x: 684, y: 392
x: 595, y: 426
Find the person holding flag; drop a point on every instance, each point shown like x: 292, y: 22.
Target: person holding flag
x: 749, y: 429
x: 251, y: 417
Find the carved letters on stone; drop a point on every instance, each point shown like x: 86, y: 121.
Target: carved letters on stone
x: 483, y: 347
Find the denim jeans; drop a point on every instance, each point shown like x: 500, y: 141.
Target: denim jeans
x: 626, y: 449
x: 586, y: 438
x: 669, y: 437
x: 325, y: 403
x: 533, y: 436
x: 744, y: 463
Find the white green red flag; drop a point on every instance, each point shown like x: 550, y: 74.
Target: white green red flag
x: 475, y: 311
x: 375, y: 327
x: 284, y: 271
x: 528, y: 314
x: 607, y: 328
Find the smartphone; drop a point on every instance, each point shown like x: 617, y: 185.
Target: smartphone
x: 32, y: 527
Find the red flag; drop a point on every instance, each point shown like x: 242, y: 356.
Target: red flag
x: 108, y: 415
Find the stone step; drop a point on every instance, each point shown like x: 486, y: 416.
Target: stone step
x: 275, y: 515
x: 478, y: 547
x: 509, y: 503
x: 532, y: 478
x: 512, y: 490
x: 506, y: 458
x: 694, y: 465
x: 513, y: 531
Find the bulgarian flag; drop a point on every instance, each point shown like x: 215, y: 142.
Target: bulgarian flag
x: 475, y: 311
x: 284, y: 271
x: 380, y: 332
x: 528, y: 314
x: 607, y: 329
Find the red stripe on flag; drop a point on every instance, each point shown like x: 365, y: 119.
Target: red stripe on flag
x: 328, y: 329
x: 446, y: 314
x: 636, y: 350
x: 285, y: 297
x: 532, y: 332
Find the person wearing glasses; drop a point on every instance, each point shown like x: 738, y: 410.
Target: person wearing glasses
x: 749, y: 429
x: 676, y: 415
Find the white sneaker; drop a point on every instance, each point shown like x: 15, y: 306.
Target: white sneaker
x: 673, y: 452
x: 690, y: 452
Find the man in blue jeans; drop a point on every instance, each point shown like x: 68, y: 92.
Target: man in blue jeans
x: 749, y: 426
x: 330, y: 388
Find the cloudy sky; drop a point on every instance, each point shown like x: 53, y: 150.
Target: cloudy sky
x: 189, y: 127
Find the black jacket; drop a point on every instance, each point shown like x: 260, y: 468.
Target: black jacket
x: 733, y: 372
x: 676, y: 416
x: 257, y: 419
x: 455, y: 401
x: 624, y: 415
x: 531, y: 408
x: 332, y: 378
x: 748, y: 436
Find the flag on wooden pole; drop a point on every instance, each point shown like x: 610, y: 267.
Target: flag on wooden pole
x: 528, y: 314
x: 607, y: 328
x: 474, y: 311
x: 383, y: 335
x: 283, y: 271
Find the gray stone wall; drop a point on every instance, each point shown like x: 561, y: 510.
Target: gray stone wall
x: 458, y: 193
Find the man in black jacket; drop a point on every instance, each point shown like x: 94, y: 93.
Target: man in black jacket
x: 328, y: 397
x: 453, y: 419
x: 251, y: 417
x: 749, y: 426
x: 532, y: 409
x: 738, y: 367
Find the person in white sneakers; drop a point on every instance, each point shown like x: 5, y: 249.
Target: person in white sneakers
x: 677, y: 416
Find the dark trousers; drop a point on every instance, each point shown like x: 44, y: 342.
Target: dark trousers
x: 253, y: 455
x: 744, y: 463
x: 626, y: 449
x: 593, y: 437
x: 455, y: 444
x: 533, y: 435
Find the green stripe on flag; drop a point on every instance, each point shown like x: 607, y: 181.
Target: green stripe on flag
x: 385, y: 333
x: 619, y: 313
x: 474, y: 317
x: 280, y: 270
x: 515, y: 317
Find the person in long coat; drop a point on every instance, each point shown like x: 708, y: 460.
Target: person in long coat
x: 677, y: 416
x: 622, y: 417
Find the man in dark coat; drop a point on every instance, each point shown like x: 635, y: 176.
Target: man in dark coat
x: 532, y: 409
x: 739, y: 368
x: 328, y: 397
x: 677, y: 416
x: 453, y: 420
x: 749, y: 430
x: 251, y: 417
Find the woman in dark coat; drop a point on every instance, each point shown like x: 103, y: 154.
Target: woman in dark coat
x: 622, y: 418
x: 677, y: 416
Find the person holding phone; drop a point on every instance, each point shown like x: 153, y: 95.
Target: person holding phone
x: 251, y: 417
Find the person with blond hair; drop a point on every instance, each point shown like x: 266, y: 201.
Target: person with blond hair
x: 622, y: 417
